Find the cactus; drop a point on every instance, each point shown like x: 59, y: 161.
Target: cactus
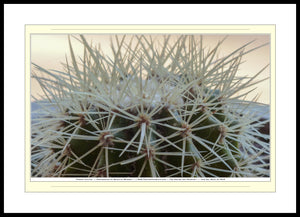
x: 147, y: 111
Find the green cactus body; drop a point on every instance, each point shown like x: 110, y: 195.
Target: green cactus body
x: 144, y: 119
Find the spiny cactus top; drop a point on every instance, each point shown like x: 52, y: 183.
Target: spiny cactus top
x: 148, y: 111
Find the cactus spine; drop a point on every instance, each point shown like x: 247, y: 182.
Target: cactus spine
x: 148, y: 112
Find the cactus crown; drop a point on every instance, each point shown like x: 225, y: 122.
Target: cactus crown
x: 168, y: 111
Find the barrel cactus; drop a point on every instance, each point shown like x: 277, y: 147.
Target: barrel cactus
x: 167, y: 109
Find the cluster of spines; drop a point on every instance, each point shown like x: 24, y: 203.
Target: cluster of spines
x: 133, y: 116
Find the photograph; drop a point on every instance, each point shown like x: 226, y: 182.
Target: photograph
x: 162, y: 106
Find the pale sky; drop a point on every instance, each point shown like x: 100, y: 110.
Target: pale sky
x: 49, y: 51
